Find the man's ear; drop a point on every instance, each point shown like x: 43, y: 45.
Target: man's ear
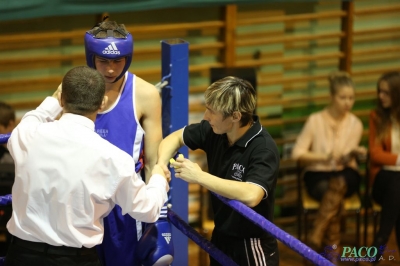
x: 104, y: 103
x: 236, y: 116
x: 60, y: 99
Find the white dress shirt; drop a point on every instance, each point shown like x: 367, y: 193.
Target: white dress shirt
x: 67, y: 179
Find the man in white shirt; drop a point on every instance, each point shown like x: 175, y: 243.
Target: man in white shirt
x: 68, y: 178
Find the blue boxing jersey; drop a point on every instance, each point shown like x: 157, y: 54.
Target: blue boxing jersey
x: 120, y: 126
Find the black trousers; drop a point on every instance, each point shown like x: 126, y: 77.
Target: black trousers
x: 386, y: 191
x: 22, y: 252
x: 246, y: 251
x: 317, y: 183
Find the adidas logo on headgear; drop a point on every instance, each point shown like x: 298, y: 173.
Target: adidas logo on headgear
x: 111, y: 49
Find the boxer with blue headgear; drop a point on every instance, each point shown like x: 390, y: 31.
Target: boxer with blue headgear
x: 109, y: 44
x: 133, y: 111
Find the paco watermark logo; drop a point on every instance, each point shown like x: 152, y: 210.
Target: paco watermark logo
x: 356, y: 254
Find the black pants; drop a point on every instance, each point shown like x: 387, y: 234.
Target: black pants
x: 246, y: 252
x: 386, y: 192
x: 317, y: 183
x: 22, y: 252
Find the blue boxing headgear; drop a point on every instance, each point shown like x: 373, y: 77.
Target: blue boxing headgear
x: 109, y: 47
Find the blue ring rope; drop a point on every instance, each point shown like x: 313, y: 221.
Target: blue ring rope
x: 284, y: 237
x: 4, y: 138
x: 200, y: 240
x: 5, y: 200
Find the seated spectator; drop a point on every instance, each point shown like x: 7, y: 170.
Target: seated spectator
x: 327, y: 147
x: 384, y: 149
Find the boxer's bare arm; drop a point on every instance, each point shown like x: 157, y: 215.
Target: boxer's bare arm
x: 148, y: 108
